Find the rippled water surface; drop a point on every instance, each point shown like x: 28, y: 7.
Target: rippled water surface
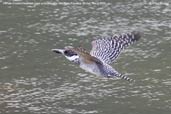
x: 35, y: 80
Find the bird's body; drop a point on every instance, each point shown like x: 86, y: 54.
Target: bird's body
x: 104, y: 52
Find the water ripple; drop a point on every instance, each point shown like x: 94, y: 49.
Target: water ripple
x: 35, y: 80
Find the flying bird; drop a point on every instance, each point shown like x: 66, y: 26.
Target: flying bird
x: 104, y: 51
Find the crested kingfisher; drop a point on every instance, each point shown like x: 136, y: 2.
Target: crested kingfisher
x: 104, y: 51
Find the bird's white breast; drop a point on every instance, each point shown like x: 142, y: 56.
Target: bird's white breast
x: 92, y: 68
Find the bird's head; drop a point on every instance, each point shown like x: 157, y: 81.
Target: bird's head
x: 77, y: 55
x: 69, y: 53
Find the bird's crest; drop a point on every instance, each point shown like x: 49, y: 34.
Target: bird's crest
x: 86, y: 55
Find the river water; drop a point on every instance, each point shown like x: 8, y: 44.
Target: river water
x: 35, y: 80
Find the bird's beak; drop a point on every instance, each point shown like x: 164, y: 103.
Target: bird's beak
x: 59, y: 51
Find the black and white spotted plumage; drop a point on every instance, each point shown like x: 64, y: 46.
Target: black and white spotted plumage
x: 104, y: 51
x: 110, y: 72
x: 107, y: 49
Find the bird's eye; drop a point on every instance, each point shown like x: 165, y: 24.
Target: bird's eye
x: 69, y: 53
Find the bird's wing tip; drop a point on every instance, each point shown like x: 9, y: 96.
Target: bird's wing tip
x: 137, y: 34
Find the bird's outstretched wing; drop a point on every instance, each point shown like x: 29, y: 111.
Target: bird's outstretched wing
x: 107, y: 49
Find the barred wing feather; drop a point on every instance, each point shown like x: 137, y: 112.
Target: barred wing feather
x: 107, y: 49
x: 110, y: 72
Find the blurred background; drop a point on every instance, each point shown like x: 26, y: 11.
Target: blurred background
x: 35, y: 80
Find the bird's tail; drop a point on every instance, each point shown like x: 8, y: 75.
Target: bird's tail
x: 125, y: 78
x: 111, y: 72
